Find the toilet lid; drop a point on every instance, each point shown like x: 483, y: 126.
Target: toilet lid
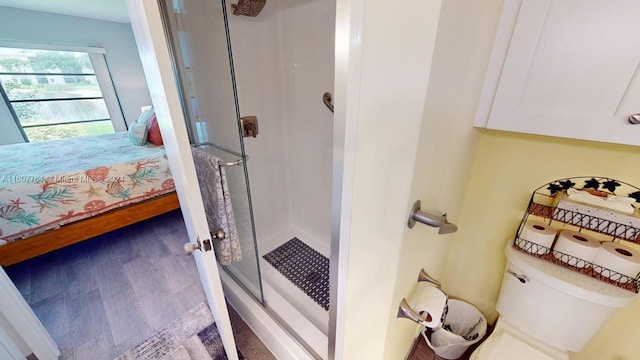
x: 506, y: 347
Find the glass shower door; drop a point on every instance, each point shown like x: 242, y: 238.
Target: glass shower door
x: 204, y: 71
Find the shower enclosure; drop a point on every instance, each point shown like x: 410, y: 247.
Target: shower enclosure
x: 275, y: 66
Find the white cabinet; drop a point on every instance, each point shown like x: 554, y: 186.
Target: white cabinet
x: 565, y: 68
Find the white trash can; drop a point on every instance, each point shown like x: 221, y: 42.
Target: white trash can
x: 463, y: 326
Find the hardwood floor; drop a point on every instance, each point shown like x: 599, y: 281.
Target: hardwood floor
x: 102, y: 296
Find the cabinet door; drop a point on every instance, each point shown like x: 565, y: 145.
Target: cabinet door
x: 570, y: 70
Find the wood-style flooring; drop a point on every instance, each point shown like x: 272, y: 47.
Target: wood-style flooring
x: 100, y: 297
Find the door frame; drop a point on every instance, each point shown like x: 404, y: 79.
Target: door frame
x: 151, y: 39
x: 8, y: 348
x: 350, y: 16
x: 23, y: 329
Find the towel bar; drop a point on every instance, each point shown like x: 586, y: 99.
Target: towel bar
x: 224, y: 163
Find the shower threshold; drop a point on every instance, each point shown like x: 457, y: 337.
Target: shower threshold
x: 288, y: 333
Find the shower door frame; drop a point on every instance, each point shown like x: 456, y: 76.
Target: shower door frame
x: 151, y: 39
x: 350, y: 16
x: 178, y: 58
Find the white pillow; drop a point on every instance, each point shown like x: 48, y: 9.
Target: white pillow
x: 139, y: 129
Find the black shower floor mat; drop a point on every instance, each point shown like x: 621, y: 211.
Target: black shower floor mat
x: 304, y: 267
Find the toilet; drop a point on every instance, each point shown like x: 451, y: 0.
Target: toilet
x: 546, y: 311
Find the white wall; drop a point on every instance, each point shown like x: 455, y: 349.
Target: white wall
x: 446, y: 150
x: 307, y: 60
x: 116, y: 38
x: 255, y: 43
x: 284, y: 63
x: 383, y: 256
x: 9, y: 131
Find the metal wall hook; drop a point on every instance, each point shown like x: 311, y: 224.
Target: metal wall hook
x: 327, y: 99
x: 429, y: 219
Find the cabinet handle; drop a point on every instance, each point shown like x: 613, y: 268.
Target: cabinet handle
x: 634, y: 119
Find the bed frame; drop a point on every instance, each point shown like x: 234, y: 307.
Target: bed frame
x: 17, y: 251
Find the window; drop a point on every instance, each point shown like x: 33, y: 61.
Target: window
x: 56, y: 93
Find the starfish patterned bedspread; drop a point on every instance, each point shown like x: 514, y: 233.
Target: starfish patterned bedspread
x: 47, y: 184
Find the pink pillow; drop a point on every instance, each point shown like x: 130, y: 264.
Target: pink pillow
x: 154, y: 136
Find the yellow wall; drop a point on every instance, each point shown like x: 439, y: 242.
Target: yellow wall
x: 506, y: 170
x: 446, y: 148
x: 482, y: 178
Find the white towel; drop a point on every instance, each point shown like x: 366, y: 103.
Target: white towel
x: 217, y: 203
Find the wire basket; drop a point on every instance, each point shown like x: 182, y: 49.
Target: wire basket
x: 547, y: 205
x: 580, y: 265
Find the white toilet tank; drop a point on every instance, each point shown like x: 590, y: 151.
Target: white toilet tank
x: 555, y: 305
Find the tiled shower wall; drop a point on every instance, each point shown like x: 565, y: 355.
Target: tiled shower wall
x: 284, y: 63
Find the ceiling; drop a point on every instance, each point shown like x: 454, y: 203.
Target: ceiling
x: 110, y: 10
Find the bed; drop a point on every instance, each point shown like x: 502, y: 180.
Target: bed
x: 56, y: 193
